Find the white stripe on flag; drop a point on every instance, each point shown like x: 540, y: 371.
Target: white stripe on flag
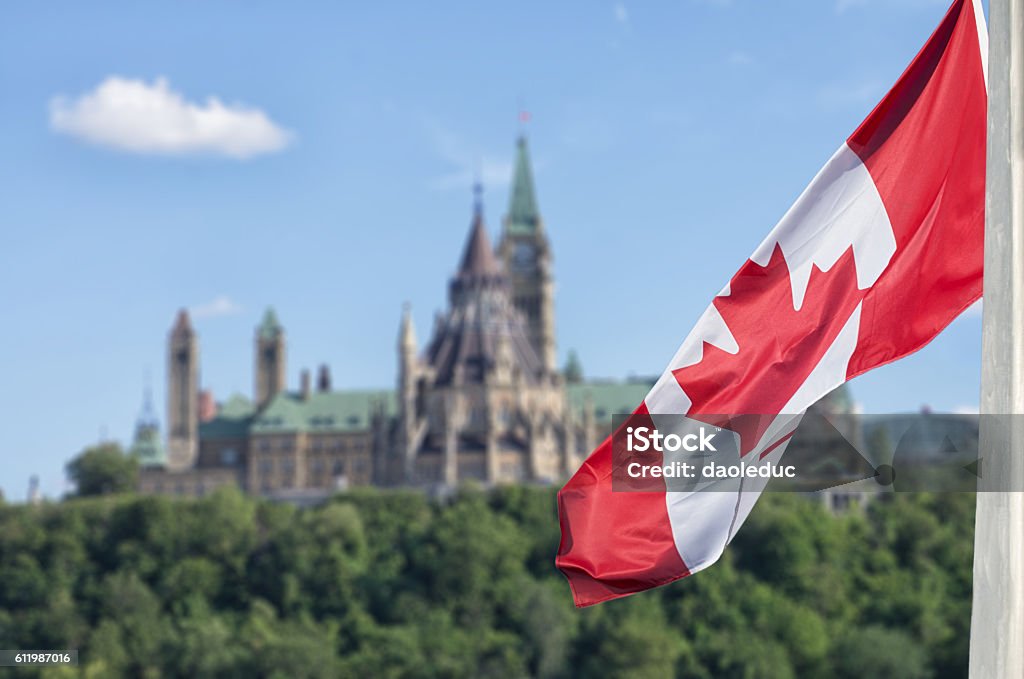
x: 840, y: 209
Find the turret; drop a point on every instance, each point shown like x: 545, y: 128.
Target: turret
x: 406, y: 340
x: 270, y: 359
x: 146, y: 445
x: 526, y: 254
x: 408, y: 374
x: 182, y: 393
x: 573, y: 371
x: 478, y: 268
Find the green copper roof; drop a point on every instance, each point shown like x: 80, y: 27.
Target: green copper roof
x: 147, y: 447
x: 523, y: 215
x: 322, y: 411
x: 232, y: 420
x: 270, y: 327
x: 236, y: 406
x: 609, y: 398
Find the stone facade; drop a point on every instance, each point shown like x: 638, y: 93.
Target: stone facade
x: 182, y: 394
x: 482, y: 401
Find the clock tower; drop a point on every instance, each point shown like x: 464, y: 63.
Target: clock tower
x: 526, y: 253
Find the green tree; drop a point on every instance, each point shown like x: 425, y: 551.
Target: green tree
x: 395, y: 584
x: 879, y: 652
x: 102, y: 470
x: 627, y: 638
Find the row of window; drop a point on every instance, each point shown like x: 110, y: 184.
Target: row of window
x: 183, y: 489
x: 286, y: 465
x: 317, y: 445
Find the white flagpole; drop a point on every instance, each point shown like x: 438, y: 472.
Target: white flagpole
x: 997, y: 613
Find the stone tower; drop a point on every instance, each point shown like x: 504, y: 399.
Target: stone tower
x: 526, y: 253
x: 270, y: 358
x: 182, y: 394
x: 408, y: 406
x: 477, y: 404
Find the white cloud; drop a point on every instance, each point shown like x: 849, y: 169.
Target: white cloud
x: 139, y: 117
x: 621, y: 13
x: 466, y: 166
x: 966, y: 410
x: 221, y: 305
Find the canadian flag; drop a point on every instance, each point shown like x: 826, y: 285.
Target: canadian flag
x: 875, y: 258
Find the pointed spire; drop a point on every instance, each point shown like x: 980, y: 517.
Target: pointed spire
x: 147, y: 415
x: 478, y: 198
x: 146, y: 445
x: 270, y: 327
x: 407, y: 334
x: 478, y: 258
x: 523, y: 214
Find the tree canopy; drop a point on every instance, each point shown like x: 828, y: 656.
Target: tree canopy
x: 393, y: 584
x: 103, y: 469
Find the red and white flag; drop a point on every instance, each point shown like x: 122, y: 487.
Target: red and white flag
x: 875, y: 258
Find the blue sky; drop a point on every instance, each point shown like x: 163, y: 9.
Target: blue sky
x: 668, y: 138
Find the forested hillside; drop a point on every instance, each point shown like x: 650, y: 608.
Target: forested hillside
x: 392, y: 584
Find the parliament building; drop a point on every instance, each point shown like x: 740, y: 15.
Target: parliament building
x: 482, y: 400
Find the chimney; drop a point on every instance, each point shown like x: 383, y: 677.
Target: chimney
x: 207, y: 406
x: 304, y: 384
x: 323, y: 378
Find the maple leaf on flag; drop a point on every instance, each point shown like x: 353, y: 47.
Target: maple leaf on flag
x: 895, y: 224
x: 779, y: 345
